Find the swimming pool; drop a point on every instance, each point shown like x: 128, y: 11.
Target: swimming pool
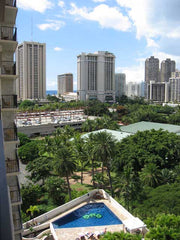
x: 91, y: 214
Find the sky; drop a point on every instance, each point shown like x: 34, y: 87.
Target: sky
x: 132, y: 30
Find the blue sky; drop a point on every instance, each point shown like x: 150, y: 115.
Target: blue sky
x: 131, y: 29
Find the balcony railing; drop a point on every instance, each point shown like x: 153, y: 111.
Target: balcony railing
x: 11, y: 3
x: 9, y: 101
x: 17, y: 218
x: 15, y: 196
x: 12, y: 165
x: 10, y: 134
x: 8, y: 33
x: 7, y: 68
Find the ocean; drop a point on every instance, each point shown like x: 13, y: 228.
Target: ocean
x: 53, y: 92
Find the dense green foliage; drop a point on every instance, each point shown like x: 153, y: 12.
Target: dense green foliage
x: 28, y: 152
x: 163, y: 227
x: 96, y: 108
x: 120, y: 236
x: 23, y: 138
x: 142, y: 172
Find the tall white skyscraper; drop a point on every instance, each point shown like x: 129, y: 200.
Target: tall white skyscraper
x: 96, y: 76
x: 31, y: 68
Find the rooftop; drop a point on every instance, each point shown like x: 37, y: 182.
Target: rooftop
x: 116, y: 134
x: 143, y: 126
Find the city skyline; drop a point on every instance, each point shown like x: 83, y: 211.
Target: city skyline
x: 131, y: 30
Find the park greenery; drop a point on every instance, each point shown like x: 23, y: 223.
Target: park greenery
x: 142, y: 172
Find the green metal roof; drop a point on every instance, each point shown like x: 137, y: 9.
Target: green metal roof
x: 143, y: 126
x: 116, y: 134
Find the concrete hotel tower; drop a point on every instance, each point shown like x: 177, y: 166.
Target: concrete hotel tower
x: 8, y: 102
x: 96, y: 76
x: 31, y: 70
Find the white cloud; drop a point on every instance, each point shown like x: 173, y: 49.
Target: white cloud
x: 99, y: 1
x: 36, y: 5
x: 152, y: 43
x: 51, y: 84
x: 133, y: 73
x: 58, y: 49
x: 154, y: 19
x: 107, y: 17
x: 52, y: 24
x: 61, y: 4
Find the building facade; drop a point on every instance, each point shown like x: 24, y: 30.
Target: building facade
x: 8, y: 100
x: 151, y: 69
x: 158, y: 91
x: 174, y: 82
x: 31, y: 69
x: 120, y: 84
x: 167, y: 67
x: 65, y: 83
x: 96, y: 76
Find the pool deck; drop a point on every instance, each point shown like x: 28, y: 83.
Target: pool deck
x: 73, y: 233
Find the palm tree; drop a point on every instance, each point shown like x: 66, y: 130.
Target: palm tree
x: 104, y: 149
x: 90, y: 151
x: 32, y: 210
x: 64, y: 164
x: 150, y: 175
x: 79, y: 153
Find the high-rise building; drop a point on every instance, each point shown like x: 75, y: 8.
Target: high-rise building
x: 158, y: 91
x: 10, y: 217
x: 31, y: 68
x: 65, y: 83
x: 132, y: 89
x: 120, y: 84
x: 151, y: 69
x: 96, y: 76
x: 167, y: 67
x: 174, y: 82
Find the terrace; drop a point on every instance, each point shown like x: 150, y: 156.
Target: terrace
x: 7, y: 68
x: 45, y: 222
x: 8, y: 33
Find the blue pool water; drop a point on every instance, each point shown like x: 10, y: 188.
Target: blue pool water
x: 92, y: 214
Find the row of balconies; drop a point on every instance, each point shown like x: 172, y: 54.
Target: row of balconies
x: 12, y: 165
x: 8, y: 33
x: 15, y: 193
x: 10, y: 134
x: 17, y: 218
x: 9, y: 101
x: 7, y: 68
x: 11, y: 3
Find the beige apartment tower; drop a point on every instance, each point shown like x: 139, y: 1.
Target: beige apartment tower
x: 65, y: 83
x: 151, y: 69
x: 96, y: 76
x: 9, y: 164
x: 167, y: 67
x: 31, y: 69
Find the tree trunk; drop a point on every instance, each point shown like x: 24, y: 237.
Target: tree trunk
x: 81, y: 176
x: 110, y: 180
x: 69, y: 189
x: 93, y: 173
